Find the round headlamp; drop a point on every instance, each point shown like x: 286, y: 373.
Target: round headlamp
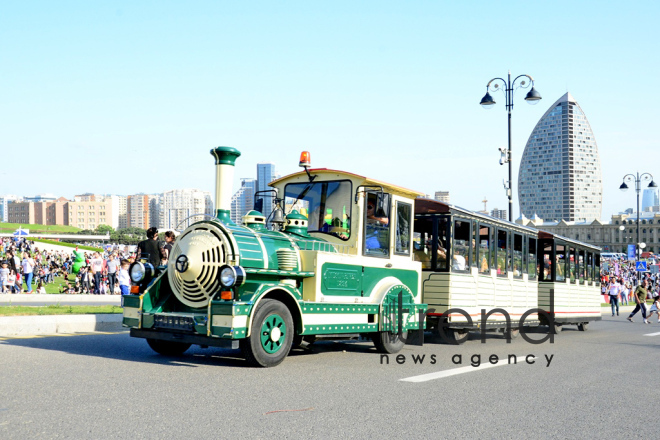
x: 138, y: 271
x: 231, y: 276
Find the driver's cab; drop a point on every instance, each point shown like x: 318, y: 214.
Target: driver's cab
x: 362, y: 216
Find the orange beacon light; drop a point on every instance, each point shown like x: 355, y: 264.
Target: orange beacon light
x: 305, y: 161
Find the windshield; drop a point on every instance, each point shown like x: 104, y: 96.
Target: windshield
x: 327, y: 205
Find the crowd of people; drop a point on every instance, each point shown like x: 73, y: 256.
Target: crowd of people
x: 621, y: 285
x: 26, y: 268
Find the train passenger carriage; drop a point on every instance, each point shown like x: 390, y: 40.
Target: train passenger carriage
x: 474, y: 262
x: 569, y: 271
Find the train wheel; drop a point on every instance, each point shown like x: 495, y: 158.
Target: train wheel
x: 387, y: 342
x: 271, y: 335
x: 583, y: 326
x: 556, y: 329
x: 514, y: 333
x: 459, y: 335
x: 168, y: 348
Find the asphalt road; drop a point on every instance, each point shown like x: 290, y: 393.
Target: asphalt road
x: 599, y: 384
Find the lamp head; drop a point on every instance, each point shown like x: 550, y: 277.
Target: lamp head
x: 487, y: 101
x: 623, y: 187
x: 653, y: 184
x: 533, y: 97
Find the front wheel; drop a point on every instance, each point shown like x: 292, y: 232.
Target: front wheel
x: 583, y: 326
x: 389, y: 343
x: 168, y: 348
x: 271, y: 335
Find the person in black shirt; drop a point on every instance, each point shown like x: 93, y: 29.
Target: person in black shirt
x: 167, y: 248
x: 150, y: 248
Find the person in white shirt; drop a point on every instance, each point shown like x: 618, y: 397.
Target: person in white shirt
x: 28, y: 267
x: 124, y: 278
x: 615, y: 288
x: 97, y: 270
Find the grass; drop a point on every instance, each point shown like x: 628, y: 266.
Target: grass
x: 58, y: 310
x: 54, y: 287
x: 12, y: 227
x: 71, y: 245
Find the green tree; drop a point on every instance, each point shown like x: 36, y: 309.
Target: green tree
x: 104, y: 229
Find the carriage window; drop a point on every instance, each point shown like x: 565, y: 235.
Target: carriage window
x: 377, y: 225
x: 403, y: 218
x: 484, y: 249
x: 582, y: 268
x: 429, y: 249
x: 473, y: 245
x: 502, y: 242
x: 546, y: 275
x: 590, y: 267
x: 517, y: 255
x: 531, y: 262
x: 572, y: 264
x: 461, y: 246
x: 327, y: 206
x: 560, y: 258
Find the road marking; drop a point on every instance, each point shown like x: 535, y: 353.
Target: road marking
x: 60, y: 335
x: 653, y: 334
x: 460, y: 370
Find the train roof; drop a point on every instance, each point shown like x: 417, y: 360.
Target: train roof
x: 430, y: 206
x: 367, y: 180
x: 553, y: 236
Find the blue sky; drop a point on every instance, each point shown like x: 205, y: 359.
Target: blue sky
x: 126, y: 97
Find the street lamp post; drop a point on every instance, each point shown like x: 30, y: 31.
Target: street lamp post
x: 638, y: 179
x: 487, y: 102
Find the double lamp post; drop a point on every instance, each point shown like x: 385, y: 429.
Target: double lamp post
x: 638, y: 179
x: 487, y: 102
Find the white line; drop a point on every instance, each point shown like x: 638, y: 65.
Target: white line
x: 461, y: 370
x: 653, y: 334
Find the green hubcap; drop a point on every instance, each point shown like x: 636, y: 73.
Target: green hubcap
x: 273, y: 333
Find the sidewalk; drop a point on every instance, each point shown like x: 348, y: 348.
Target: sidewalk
x: 56, y: 324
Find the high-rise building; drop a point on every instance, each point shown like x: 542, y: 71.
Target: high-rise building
x: 442, y: 196
x: 265, y: 175
x: 560, y: 175
x: 119, y: 212
x: 650, y: 200
x: 179, y: 204
x: 243, y: 200
x: 4, y: 200
x: 88, y: 211
x: 137, y: 210
x: 499, y: 213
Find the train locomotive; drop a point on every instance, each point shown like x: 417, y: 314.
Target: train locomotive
x: 328, y: 273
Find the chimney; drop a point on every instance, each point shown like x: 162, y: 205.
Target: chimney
x: 225, y: 158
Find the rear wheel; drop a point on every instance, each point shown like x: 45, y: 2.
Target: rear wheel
x: 557, y: 328
x: 168, y: 348
x: 514, y: 333
x: 271, y: 335
x: 583, y: 326
x: 387, y: 342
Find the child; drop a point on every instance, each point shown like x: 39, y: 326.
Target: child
x: 124, y: 278
x: 4, y: 277
x: 40, y: 288
x: 654, y: 308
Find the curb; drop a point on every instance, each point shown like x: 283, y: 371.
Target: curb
x: 56, y: 324
x: 55, y: 298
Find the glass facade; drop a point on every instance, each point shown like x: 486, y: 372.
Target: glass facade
x: 560, y: 175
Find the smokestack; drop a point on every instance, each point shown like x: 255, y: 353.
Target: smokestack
x: 225, y: 158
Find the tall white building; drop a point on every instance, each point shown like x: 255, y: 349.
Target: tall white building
x: 442, y: 196
x: 560, y: 176
x: 265, y: 175
x: 3, y: 205
x: 179, y: 204
x: 650, y: 200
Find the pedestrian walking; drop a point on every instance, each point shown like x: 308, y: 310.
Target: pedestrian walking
x: 614, y: 290
x: 640, y: 300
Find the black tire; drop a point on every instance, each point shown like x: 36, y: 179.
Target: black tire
x: 459, y: 335
x: 583, y: 326
x: 389, y: 343
x: 168, y: 348
x: 515, y: 332
x: 297, y: 341
x: 451, y: 335
x: 271, y: 335
x: 556, y: 329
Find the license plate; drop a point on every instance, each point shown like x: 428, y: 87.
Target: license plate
x: 174, y: 322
